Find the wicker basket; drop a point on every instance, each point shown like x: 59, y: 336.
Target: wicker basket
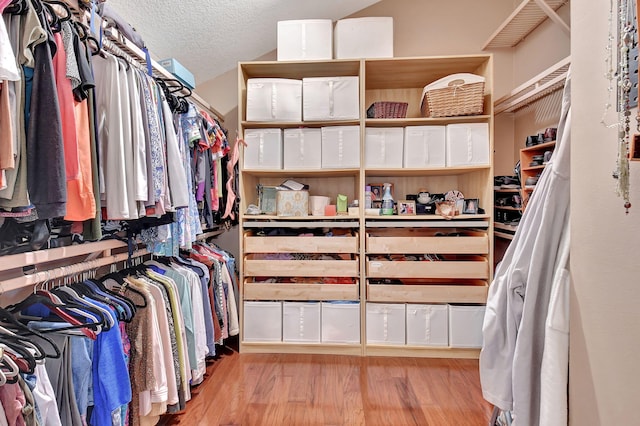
x: 387, y: 110
x: 458, y: 97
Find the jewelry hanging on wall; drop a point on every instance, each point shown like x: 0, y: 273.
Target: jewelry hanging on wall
x: 626, y: 40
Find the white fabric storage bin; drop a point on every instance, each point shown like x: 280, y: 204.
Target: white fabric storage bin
x: 427, y: 325
x: 264, y: 149
x: 386, y: 323
x: 364, y: 38
x: 302, y: 149
x: 341, y: 147
x: 301, y: 322
x: 424, y: 146
x: 465, y: 326
x: 305, y: 39
x: 468, y: 144
x: 383, y: 147
x: 330, y: 98
x: 340, y: 322
x: 262, y: 321
x: 274, y: 99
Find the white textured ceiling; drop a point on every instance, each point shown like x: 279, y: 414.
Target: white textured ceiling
x: 210, y: 37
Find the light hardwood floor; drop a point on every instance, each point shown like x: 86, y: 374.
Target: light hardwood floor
x: 284, y: 389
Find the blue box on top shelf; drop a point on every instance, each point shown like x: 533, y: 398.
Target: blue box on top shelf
x: 178, y: 70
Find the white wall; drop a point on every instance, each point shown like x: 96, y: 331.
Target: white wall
x: 604, y: 387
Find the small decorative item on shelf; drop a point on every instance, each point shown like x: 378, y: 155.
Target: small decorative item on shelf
x: 470, y: 206
x: 377, y: 190
x: 387, y: 110
x: 387, y: 201
x: 446, y: 209
x: 454, y: 95
x: 406, y: 207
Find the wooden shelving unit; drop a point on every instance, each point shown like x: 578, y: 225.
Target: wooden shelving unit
x: 462, y: 278
x: 526, y: 154
x: 524, y: 19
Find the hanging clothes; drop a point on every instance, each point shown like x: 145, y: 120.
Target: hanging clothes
x: 519, y: 297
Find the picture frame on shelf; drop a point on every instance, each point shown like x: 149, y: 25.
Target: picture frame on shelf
x: 470, y: 206
x: 377, y: 191
x: 406, y: 208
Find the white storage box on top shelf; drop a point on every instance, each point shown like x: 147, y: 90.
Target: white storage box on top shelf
x: 465, y: 326
x: 427, y: 325
x: 341, y: 147
x: 364, y: 38
x: 305, y: 39
x: 301, y: 322
x: 262, y: 321
x: 274, y: 99
x: 386, y: 323
x: 264, y: 149
x: 330, y: 98
x: 340, y: 322
x: 302, y: 149
x: 383, y: 147
x: 468, y: 144
x: 424, y: 146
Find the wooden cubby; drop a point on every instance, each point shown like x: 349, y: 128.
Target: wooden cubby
x: 463, y: 277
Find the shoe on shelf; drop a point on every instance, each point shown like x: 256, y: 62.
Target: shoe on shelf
x: 531, y: 141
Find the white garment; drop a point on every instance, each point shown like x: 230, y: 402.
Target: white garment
x: 160, y: 389
x: 518, y: 300
x: 8, y: 67
x: 165, y: 335
x: 45, y: 398
x: 232, y: 308
x: 140, y: 189
x: 127, y: 142
x: 555, y: 360
x: 200, y: 333
x: 112, y: 169
x: 176, y: 173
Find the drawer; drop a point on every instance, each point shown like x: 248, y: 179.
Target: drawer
x: 304, y: 291
x: 467, y: 242
x: 339, y: 244
x: 469, y: 267
x: 300, y: 268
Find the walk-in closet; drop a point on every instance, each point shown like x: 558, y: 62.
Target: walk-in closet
x: 367, y: 212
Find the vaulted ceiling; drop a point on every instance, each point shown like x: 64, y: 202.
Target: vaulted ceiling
x: 210, y: 37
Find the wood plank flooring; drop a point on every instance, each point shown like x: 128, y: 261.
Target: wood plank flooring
x: 289, y: 389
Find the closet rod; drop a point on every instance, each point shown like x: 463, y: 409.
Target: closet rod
x: 63, y: 271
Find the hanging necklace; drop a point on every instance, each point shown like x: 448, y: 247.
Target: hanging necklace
x: 626, y: 41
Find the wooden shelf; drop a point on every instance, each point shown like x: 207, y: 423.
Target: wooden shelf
x: 524, y: 19
x: 300, y: 69
x: 301, y: 348
x: 540, y: 147
x: 507, y: 190
x: 463, y: 278
x: 382, y: 73
x: 505, y: 227
x: 431, y: 171
x: 270, y: 291
x: 422, y: 351
x: 296, y: 124
x: 427, y: 121
x: 302, y: 173
x: 508, y: 208
x: 427, y: 293
x: 532, y: 168
x: 545, y: 83
x: 503, y: 235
